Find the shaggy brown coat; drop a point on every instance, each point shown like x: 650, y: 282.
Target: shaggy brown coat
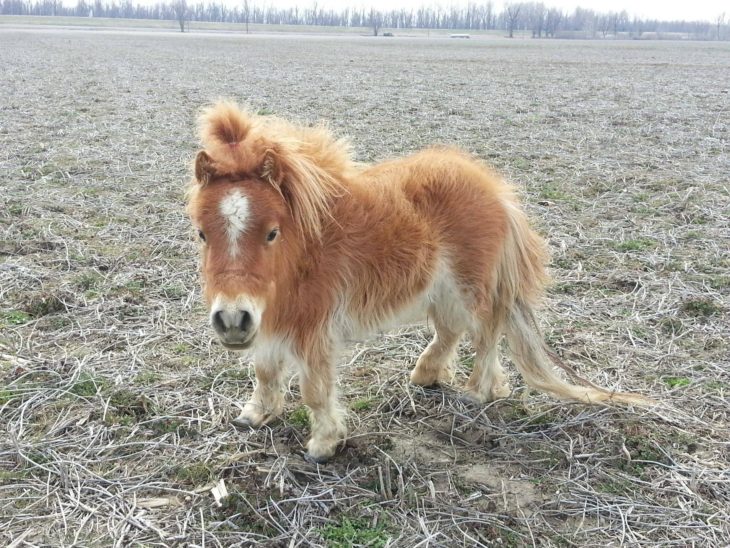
x: 320, y: 250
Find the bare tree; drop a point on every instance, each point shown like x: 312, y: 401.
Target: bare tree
x: 552, y: 21
x: 376, y: 20
x: 720, y: 21
x: 536, y: 16
x: 604, y: 23
x: 513, y: 14
x: 246, y: 13
x: 638, y: 26
x: 517, y: 15
x: 181, y: 13
x: 315, y: 13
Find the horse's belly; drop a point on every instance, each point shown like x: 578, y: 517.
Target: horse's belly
x: 442, y: 296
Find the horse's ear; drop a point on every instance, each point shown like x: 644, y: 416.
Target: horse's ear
x: 272, y: 168
x: 204, y: 169
x: 306, y: 187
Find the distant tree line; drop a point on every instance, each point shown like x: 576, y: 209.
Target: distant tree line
x: 534, y: 18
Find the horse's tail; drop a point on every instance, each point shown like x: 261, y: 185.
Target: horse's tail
x: 521, y: 278
x: 535, y: 361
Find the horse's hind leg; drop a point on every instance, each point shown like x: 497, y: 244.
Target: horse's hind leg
x: 434, y: 364
x: 487, y: 381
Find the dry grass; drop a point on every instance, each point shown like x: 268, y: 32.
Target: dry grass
x: 114, y: 399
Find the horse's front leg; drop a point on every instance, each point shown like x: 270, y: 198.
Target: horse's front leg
x: 267, y: 400
x: 317, y: 384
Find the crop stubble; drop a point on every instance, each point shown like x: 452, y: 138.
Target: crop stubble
x: 115, y: 400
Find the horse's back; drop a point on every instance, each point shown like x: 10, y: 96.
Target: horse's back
x: 462, y: 200
x: 457, y: 201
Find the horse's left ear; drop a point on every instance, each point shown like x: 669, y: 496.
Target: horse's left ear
x: 272, y: 168
x: 204, y: 169
x: 306, y: 187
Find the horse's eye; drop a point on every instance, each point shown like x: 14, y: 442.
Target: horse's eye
x: 272, y: 235
x: 201, y: 235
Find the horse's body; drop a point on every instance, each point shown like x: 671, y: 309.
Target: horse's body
x: 306, y: 249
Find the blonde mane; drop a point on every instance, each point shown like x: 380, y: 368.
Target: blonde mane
x: 307, y: 165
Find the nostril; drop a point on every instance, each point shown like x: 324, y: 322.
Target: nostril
x: 245, y: 323
x: 218, y: 321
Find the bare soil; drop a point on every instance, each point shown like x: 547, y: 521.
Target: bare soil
x: 115, y: 399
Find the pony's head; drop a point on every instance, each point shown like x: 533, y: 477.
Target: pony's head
x: 258, y: 199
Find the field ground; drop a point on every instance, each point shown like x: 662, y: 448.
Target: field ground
x: 115, y: 400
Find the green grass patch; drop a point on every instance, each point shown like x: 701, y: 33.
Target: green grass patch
x: 565, y: 263
x: 168, y: 426
x: 677, y: 382
x: 638, y: 244
x: 128, y: 403
x: 355, y: 531
x: 701, y: 308
x: 198, y: 473
x: 719, y: 282
x: 119, y: 419
x: 174, y: 291
x: 7, y: 395
x: 37, y: 456
x: 15, y: 209
x: 148, y: 377
x: 14, y: 317
x: 88, y: 280
x: 9, y: 476
x: 513, y: 412
x: 541, y: 419
x: 521, y: 163
x: 135, y: 286
x: 43, y: 304
x: 181, y: 348
x: 468, y: 362
x: 616, y: 486
x: 87, y: 386
x: 671, y: 325
x: 265, y: 112
x: 643, y: 455
x: 58, y: 322
x: 237, y: 511
x: 363, y: 404
x: 551, y: 191
x: 564, y: 288
x: 717, y: 386
x: 299, y: 417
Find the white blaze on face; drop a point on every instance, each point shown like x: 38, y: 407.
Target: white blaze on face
x: 235, y: 210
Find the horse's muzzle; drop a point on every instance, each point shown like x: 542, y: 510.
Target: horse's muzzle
x: 236, y: 327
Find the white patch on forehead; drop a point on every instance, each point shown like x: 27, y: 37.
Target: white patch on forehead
x: 235, y: 210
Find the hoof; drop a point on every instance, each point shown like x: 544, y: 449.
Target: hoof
x: 471, y: 398
x: 256, y: 420
x: 242, y: 422
x: 255, y: 415
x: 479, y: 398
x: 501, y: 392
x: 319, y: 451
x: 428, y: 380
x: 316, y: 460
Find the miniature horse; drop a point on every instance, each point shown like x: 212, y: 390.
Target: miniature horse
x: 302, y: 249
